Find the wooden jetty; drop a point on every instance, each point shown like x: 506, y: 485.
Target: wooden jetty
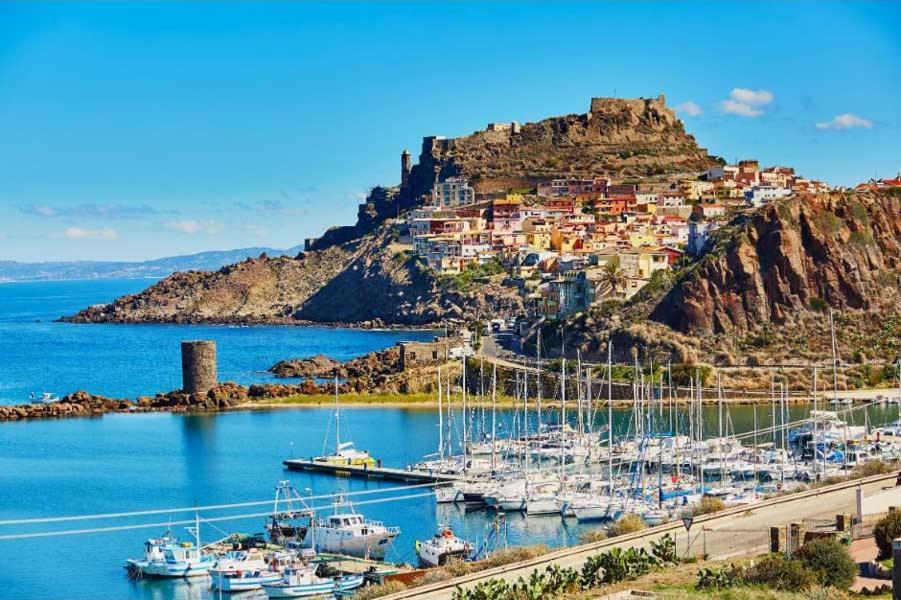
x: 368, y: 472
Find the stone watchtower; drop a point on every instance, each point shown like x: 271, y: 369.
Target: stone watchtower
x: 406, y: 165
x: 198, y: 366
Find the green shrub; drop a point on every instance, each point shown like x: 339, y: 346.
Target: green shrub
x: 818, y: 304
x: 885, y: 531
x: 664, y: 550
x: 780, y: 573
x: 617, y: 565
x: 713, y: 578
x: 830, y: 559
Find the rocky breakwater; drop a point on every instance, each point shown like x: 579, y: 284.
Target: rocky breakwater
x: 380, y: 372
x: 224, y: 396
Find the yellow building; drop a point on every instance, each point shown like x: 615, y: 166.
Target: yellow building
x: 637, y: 240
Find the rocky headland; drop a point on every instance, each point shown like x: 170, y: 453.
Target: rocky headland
x: 369, y: 282
x: 762, y: 292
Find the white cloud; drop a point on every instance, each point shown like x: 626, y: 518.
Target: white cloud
x: 79, y: 233
x: 746, y: 103
x: 741, y: 109
x: 752, y: 97
x: 191, y: 227
x: 689, y: 108
x: 846, y: 121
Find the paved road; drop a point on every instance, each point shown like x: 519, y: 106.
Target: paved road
x: 745, y: 533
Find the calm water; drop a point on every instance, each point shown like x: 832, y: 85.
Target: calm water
x: 129, y: 360
x: 125, y: 462
x: 134, y: 462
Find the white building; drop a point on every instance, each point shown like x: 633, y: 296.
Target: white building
x: 698, y: 234
x: 761, y: 194
x: 452, y: 193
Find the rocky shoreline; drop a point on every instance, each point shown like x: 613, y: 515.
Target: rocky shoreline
x: 222, y: 397
x: 374, y: 373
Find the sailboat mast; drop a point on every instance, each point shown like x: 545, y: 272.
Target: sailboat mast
x: 337, y: 420
x: 465, y: 415
x: 538, y: 392
x: 610, y: 415
x: 562, y: 386
x: 440, y: 420
x: 494, y: 417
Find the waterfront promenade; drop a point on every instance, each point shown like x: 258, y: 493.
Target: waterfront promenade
x: 738, y: 531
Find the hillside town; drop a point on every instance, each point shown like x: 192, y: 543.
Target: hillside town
x: 572, y: 242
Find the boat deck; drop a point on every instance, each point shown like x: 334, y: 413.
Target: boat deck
x: 368, y: 472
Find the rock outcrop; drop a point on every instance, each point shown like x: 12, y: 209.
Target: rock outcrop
x: 762, y: 291
x: 368, y: 282
x: 838, y: 250
x: 618, y: 137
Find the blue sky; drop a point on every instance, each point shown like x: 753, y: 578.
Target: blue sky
x: 131, y: 131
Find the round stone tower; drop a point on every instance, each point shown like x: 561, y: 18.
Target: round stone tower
x: 198, y: 366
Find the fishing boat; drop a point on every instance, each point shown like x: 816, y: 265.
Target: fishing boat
x: 167, y: 557
x: 347, y: 532
x: 301, y: 581
x: 441, y: 548
x: 236, y: 573
x: 289, y: 507
x: 345, y: 453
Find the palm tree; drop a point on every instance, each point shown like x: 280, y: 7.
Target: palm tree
x: 615, y: 278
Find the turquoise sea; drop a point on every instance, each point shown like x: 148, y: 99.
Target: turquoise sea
x: 123, y: 462
x: 128, y: 360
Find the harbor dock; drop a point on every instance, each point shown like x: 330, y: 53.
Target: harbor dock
x: 370, y: 472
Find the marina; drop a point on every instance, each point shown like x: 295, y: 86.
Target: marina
x: 512, y: 480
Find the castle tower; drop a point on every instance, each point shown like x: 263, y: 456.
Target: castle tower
x: 198, y: 366
x: 406, y: 165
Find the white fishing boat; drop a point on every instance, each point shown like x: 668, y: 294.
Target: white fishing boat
x: 346, y: 532
x: 167, y: 557
x: 243, y: 571
x: 301, y: 581
x: 444, y: 546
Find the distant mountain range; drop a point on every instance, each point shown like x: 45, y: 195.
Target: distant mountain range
x: 159, y: 267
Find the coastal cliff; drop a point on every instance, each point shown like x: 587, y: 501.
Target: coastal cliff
x: 762, y: 291
x: 836, y: 250
x: 369, y: 282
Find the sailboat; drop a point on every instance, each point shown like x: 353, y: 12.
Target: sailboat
x: 345, y: 453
